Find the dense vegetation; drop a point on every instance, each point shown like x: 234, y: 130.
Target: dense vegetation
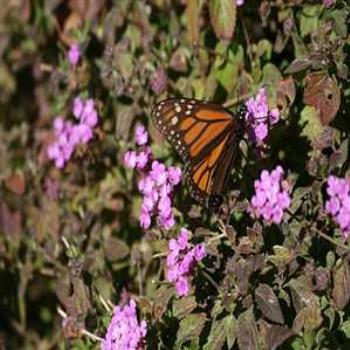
x: 95, y: 210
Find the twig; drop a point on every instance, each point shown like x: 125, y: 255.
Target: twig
x: 208, y: 277
x: 159, y: 255
x: 104, y: 303
x: 331, y: 240
x: 236, y: 100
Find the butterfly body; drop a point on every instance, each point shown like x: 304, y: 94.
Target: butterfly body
x: 206, y: 137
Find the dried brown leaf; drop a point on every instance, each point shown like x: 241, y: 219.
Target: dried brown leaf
x: 323, y: 93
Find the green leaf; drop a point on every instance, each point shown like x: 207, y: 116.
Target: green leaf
x: 184, y: 306
x: 223, y: 18
x: 311, y: 122
x: 346, y: 328
x: 217, y: 335
x: 230, y: 330
x: 309, y: 19
x: 264, y: 47
x: 271, y: 74
x: 190, y: 327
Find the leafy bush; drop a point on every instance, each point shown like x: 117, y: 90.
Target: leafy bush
x: 90, y: 219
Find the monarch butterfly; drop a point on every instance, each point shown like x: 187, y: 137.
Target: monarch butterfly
x: 206, y: 137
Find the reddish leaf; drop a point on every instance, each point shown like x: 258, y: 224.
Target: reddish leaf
x: 268, y: 303
x: 16, y: 183
x: 322, y: 92
x: 274, y: 335
x: 285, y: 93
x: 10, y: 222
x: 247, y: 332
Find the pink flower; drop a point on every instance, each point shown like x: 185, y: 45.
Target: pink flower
x: 259, y: 118
x: 125, y: 331
x: 157, y: 184
x: 74, y: 54
x: 239, y: 2
x: 271, y: 196
x: 338, y: 204
x: 69, y: 135
x: 141, y: 135
x: 181, y: 261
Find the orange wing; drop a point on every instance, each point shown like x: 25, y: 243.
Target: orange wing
x: 206, y: 137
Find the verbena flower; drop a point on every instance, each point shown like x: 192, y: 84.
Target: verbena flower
x: 271, y: 196
x: 338, y: 204
x: 259, y: 117
x: 181, y: 260
x: 240, y: 2
x: 74, y: 54
x: 69, y: 135
x: 156, y: 185
x: 125, y: 332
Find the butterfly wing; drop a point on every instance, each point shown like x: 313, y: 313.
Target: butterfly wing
x: 206, y: 137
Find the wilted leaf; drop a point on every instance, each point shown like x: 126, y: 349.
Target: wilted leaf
x: 322, y: 92
x: 268, y: 303
x: 274, y: 335
x: 223, y: 18
x: 285, y: 93
x: 217, y: 335
x: 190, y: 327
x: 184, y: 306
x: 341, y: 289
x: 116, y: 249
x: 247, y: 332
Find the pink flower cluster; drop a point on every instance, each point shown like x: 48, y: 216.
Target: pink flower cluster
x: 239, y: 2
x: 125, y: 332
x: 69, y: 135
x: 271, y: 196
x: 181, y: 260
x: 259, y: 118
x: 157, y: 184
x: 338, y: 205
x: 74, y: 54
